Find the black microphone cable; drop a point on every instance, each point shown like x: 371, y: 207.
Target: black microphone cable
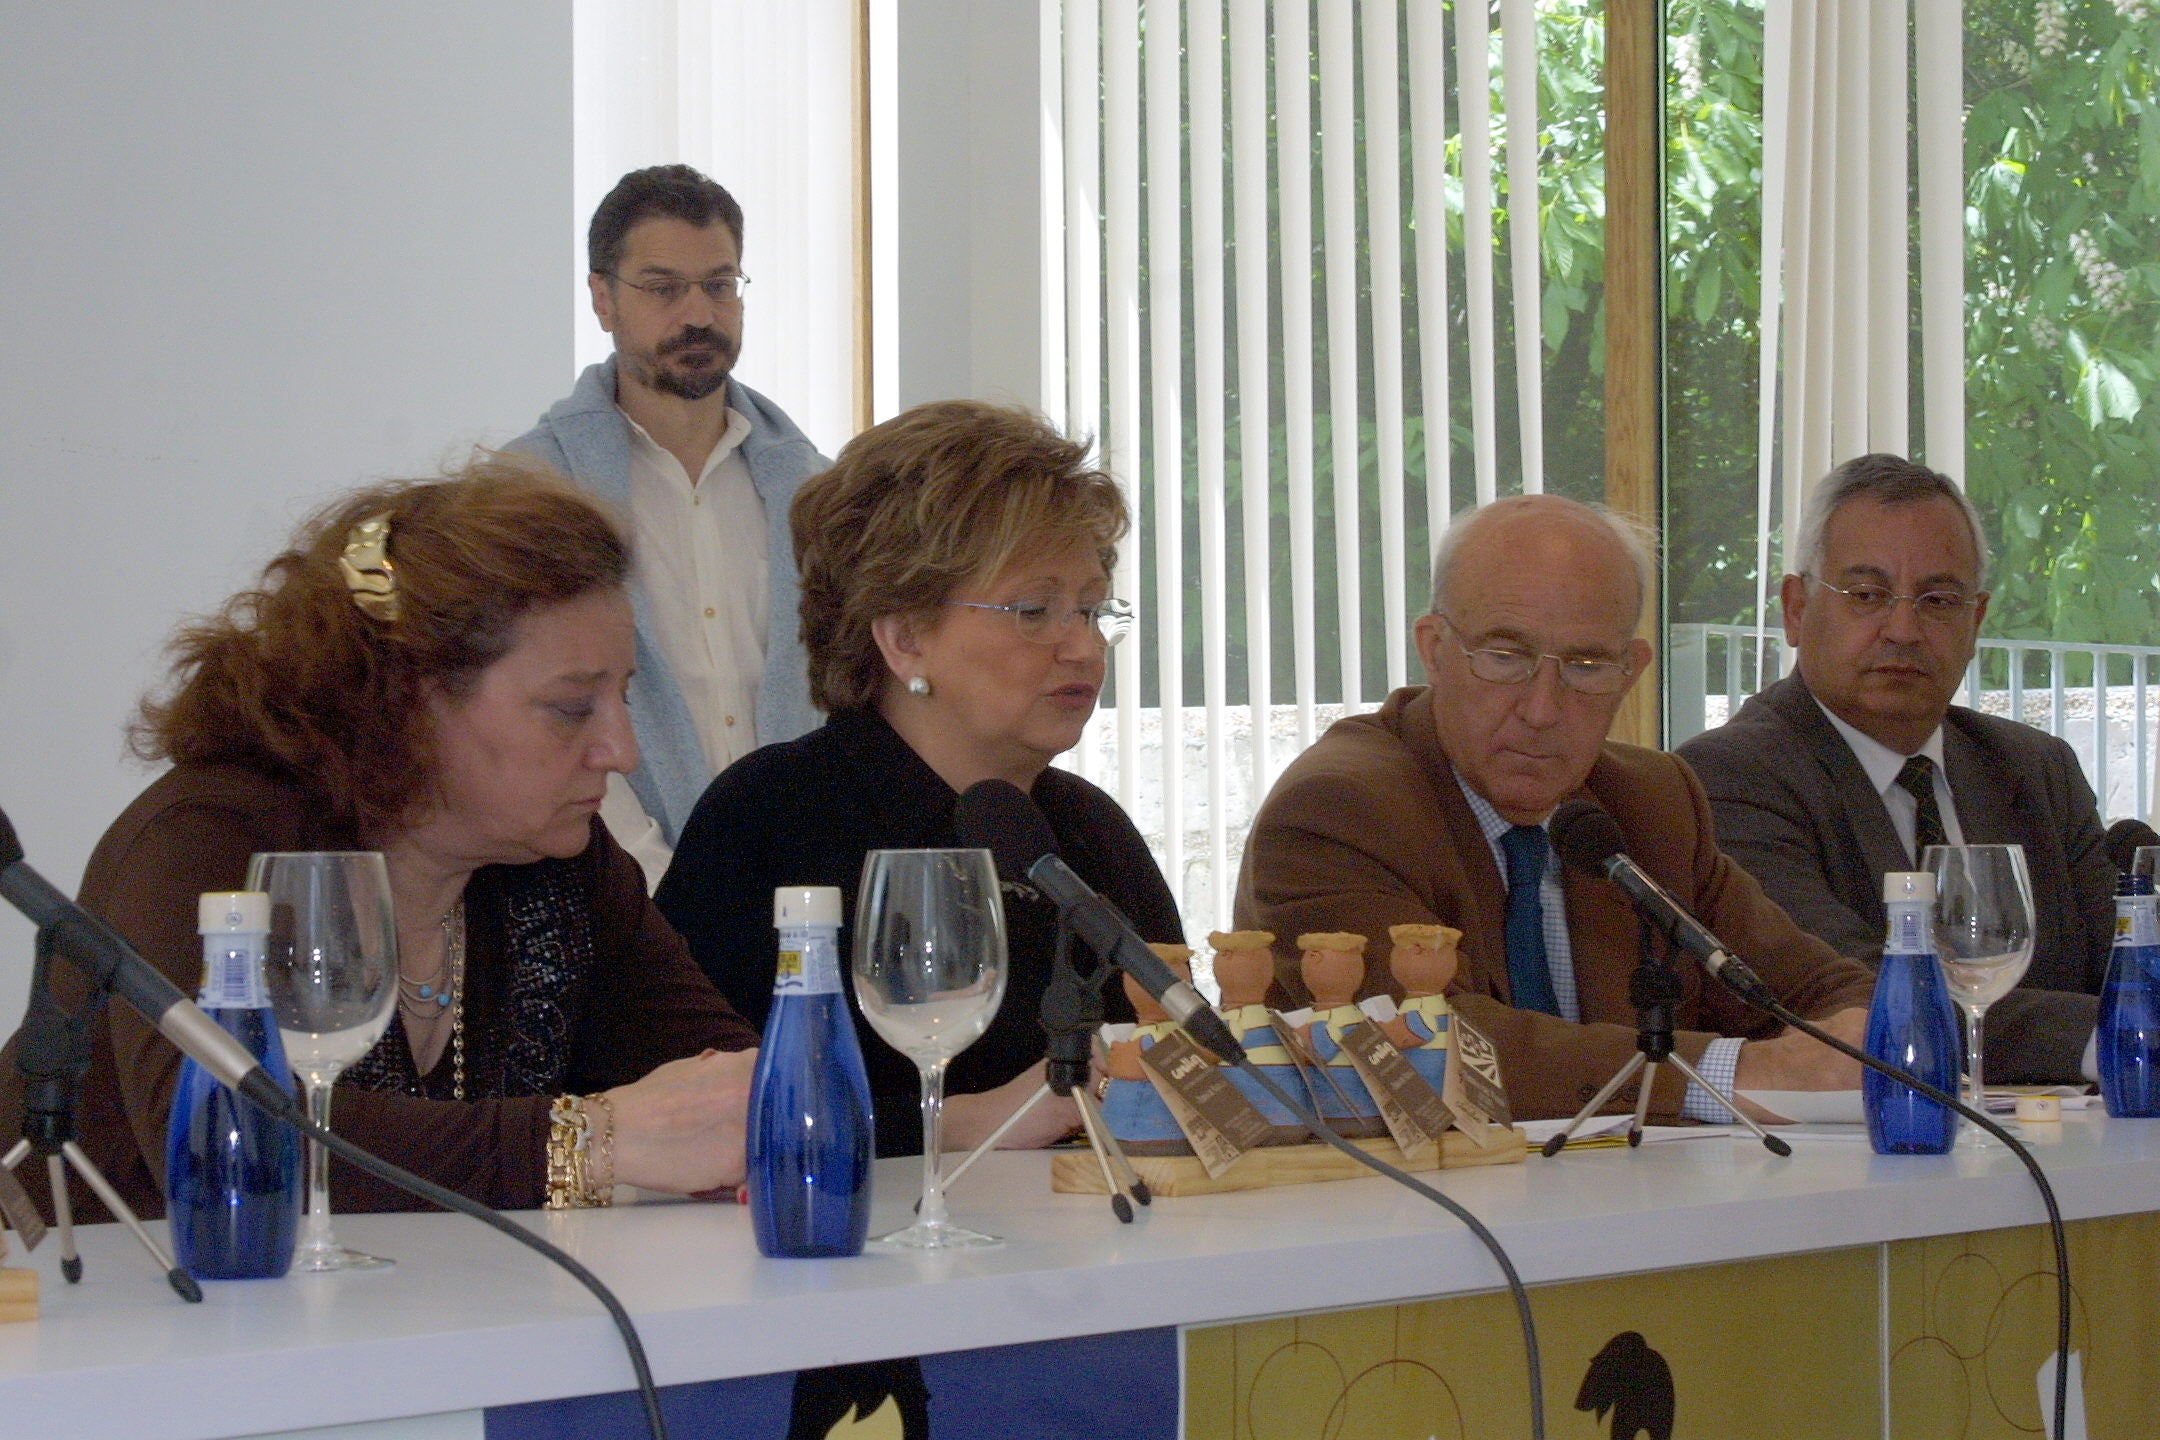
x: 1587, y: 837
x: 448, y: 1199
x: 1776, y: 1008
x: 1521, y: 1296
x: 112, y: 965
x: 1003, y: 819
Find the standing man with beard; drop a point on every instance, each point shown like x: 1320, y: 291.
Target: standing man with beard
x: 705, y: 469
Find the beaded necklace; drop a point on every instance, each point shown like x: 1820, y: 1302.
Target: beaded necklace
x: 428, y: 999
x: 454, y: 953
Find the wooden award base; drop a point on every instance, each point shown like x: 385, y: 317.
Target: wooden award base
x: 1075, y: 1172
x: 18, y: 1294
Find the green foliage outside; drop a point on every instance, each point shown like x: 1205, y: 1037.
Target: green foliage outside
x: 2063, y: 282
x: 2062, y: 142
x: 2062, y: 145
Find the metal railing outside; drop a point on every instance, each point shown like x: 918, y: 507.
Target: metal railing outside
x: 2104, y: 700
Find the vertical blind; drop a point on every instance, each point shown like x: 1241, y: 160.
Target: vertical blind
x: 1852, y: 88
x: 1258, y: 333
x: 1292, y: 288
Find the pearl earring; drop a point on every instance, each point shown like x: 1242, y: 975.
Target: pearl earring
x: 917, y: 685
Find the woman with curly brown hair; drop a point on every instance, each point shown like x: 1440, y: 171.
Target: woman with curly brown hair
x: 956, y: 608
x: 435, y: 670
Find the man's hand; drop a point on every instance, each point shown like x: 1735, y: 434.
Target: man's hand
x: 1797, y: 1061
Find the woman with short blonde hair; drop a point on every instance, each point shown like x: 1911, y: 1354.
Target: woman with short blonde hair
x: 955, y: 570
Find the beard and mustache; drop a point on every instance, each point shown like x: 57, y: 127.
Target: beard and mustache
x: 696, y: 383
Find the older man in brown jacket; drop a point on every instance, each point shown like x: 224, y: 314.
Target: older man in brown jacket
x: 1426, y: 811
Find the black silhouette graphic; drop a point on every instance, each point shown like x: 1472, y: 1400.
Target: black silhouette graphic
x: 1632, y: 1381
x: 839, y: 1399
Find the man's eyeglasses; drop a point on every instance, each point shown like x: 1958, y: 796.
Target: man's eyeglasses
x: 1507, y: 665
x: 720, y: 289
x: 1875, y: 602
x: 1048, y: 619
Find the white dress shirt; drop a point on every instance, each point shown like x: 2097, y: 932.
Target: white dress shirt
x: 1882, y: 764
x: 700, y: 548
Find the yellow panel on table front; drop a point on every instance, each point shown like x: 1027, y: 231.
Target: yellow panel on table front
x: 1781, y: 1349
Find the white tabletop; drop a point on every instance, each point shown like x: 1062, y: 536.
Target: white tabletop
x: 466, y: 1319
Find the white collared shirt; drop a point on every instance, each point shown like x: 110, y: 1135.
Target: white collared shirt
x: 701, y: 561
x: 1882, y: 764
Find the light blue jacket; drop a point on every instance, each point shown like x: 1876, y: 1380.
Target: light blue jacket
x: 588, y: 439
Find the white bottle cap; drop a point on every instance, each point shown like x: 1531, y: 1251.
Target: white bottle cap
x: 1913, y: 885
x: 233, y: 912
x: 806, y: 905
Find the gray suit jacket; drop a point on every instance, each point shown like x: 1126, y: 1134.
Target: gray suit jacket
x: 1793, y: 806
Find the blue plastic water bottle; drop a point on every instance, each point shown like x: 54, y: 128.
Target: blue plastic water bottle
x: 810, y: 1116
x: 1911, y: 1025
x: 2129, y: 1027
x: 233, y: 1173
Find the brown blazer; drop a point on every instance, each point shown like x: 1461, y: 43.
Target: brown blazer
x: 193, y: 830
x: 1369, y: 828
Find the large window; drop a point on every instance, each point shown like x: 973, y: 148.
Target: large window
x: 2059, y: 184
x: 1305, y: 326
x: 1298, y: 321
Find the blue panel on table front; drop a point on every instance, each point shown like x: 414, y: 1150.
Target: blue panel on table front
x: 1109, y: 1387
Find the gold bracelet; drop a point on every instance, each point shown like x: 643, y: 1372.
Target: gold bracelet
x: 580, y: 1163
x: 568, y: 1130
x: 600, y: 1171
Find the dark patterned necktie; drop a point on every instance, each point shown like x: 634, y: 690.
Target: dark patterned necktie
x: 1918, y: 781
x: 1529, y: 974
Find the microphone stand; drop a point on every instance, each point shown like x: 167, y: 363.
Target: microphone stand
x: 1654, y: 989
x: 1072, y: 1011
x: 53, y: 1054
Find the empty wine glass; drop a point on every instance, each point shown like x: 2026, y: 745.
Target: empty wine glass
x: 1984, y: 930
x: 332, y: 971
x: 929, y: 973
x: 2147, y: 862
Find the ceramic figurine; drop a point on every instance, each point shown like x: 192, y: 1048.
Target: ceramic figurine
x: 1333, y: 966
x: 1423, y: 962
x: 1244, y: 967
x: 1132, y: 1107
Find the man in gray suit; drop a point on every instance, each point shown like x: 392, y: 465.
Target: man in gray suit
x: 1850, y: 767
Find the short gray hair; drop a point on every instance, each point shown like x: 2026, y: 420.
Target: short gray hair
x: 1637, y: 540
x: 1887, y: 480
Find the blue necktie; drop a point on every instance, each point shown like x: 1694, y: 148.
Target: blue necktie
x: 1529, y: 977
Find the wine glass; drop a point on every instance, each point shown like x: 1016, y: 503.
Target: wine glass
x: 2146, y: 861
x: 929, y: 973
x: 1984, y: 932
x: 332, y: 971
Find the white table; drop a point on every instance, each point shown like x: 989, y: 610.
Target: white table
x: 468, y: 1320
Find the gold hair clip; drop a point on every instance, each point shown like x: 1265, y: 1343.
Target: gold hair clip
x: 369, y: 575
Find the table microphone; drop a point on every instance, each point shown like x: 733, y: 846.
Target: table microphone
x: 1587, y: 837
x: 998, y: 816
x: 2124, y: 839
x: 111, y: 963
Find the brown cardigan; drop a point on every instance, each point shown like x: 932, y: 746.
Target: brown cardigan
x: 193, y: 830
x: 1369, y: 828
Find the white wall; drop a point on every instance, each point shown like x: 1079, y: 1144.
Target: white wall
x: 250, y: 253
x: 958, y: 193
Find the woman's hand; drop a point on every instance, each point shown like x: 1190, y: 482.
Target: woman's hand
x: 681, y: 1129
x: 969, y: 1119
